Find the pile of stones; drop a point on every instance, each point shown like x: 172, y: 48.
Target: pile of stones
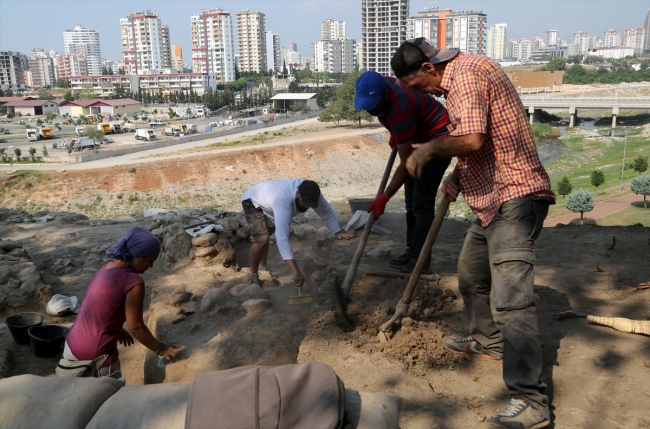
x: 21, y: 284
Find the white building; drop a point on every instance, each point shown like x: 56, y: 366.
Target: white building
x: 84, y: 41
x: 635, y: 38
x: 538, y: 42
x: 613, y: 52
x: 611, y: 38
x: 512, y: 48
x: 71, y: 65
x: 334, y: 56
x: 525, y: 49
x: 170, y: 84
x: 213, y: 44
x: 467, y: 30
x: 583, y: 40
x: 646, y: 27
x: 273, y: 59
x: 104, y: 85
x: 496, y: 41
x: 42, y: 71
x: 383, y: 29
x: 252, y: 41
x: 330, y: 29
x: 550, y: 37
x: 143, y: 44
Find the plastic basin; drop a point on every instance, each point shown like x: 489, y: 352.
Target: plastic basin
x: 18, y: 325
x: 47, y: 340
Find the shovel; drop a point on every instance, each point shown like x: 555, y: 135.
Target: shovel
x: 343, y: 290
x: 402, y: 306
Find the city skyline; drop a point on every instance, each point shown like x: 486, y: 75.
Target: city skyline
x: 306, y: 17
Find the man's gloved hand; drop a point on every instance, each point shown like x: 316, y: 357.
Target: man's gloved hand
x: 378, y: 205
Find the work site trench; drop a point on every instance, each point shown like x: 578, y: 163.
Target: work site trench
x: 199, y: 283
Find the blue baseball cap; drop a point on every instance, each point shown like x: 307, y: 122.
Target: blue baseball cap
x: 370, y: 87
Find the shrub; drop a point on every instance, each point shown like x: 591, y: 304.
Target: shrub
x: 564, y: 187
x: 641, y: 164
x: 44, y: 150
x: 641, y: 185
x: 597, y: 178
x: 580, y: 201
x: 32, y: 153
x: 131, y: 170
x: 18, y: 153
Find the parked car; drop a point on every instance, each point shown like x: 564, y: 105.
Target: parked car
x: 6, y: 131
x: 107, y: 140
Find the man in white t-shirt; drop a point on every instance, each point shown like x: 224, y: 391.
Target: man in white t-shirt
x: 269, y: 208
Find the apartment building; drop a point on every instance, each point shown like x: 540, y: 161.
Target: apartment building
x: 81, y: 40
x: 42, y: 70
x: 496, y: 41
x: 383, y: 29
x: 12, y: 70
x: 252, y: 41
x: 635, y: 38
x: 430, y: 24
x: 611, y: 38
x: 69, y: 65
x: 613, y: 52
x: 646, y: 27
x: 331, y: 29
x: 104, y: 85
x: 145, y: 44
x: 177, y: 57
x: 170, y: 84
x: 467, y: 30
x: 213, y: 44
x: 334, y: 56
x: 583, y: 40
x: 273, y: 59
x: 538, y: 42
x: 550, y: 37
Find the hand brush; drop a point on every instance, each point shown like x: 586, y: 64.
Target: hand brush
x: 300, y: 298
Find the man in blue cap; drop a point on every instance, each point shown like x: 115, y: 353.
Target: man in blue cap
x: 410, y: 118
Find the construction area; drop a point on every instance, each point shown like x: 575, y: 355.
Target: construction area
x: 596, y: 375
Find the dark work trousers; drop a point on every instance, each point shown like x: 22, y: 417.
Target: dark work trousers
x: 420, y: 202
x: 495, y: 277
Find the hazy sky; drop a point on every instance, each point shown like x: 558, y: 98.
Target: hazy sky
x: 25, y: 24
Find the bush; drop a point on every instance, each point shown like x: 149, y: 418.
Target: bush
x: 641, y: 185
x: 44, y: 150
x: 32, y: 153
x: 18, y: 153
x: 580, y: 201
x: 564, y: 187
x: 641, y: 164
x: 597, y: 178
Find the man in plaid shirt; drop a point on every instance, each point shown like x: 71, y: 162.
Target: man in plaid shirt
x: 505, y: 184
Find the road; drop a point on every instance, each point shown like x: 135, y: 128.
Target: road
x: 176, y: 151
x: 601, y: 209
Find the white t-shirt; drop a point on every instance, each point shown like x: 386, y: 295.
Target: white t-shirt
x: 277, y: 201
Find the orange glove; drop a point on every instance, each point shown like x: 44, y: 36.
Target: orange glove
x: 378, y: 205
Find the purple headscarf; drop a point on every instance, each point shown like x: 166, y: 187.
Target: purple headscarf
x: 137, y: 242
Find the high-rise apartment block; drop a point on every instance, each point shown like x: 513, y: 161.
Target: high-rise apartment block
x: 145, y: 44
x: 430, y: 24
x: 177, y: 57
x: 635, y: 38
x: 538, y: 42
x: 12, y: 68
x: 292, y: 46
x: 84, y: 41
x: 330, y: 29
x: 464, y: 29
x: 383, y: 29
x: 496, y: 41
x: 646, y: 26
x: 583, y: 40
x: 69, y: 65
x: 550, y: 37
x: 251, y: 30
x: 521, y: 50
x: 42, y: 70
x: 273, y: 59
x: 611, y: 38
x: 213, y: 44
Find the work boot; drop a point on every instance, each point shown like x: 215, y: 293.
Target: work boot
x: 518, y: 414
x: 252, y: 278
x: 466, y: 345
x: 408, y: 268
x: 400, y: 261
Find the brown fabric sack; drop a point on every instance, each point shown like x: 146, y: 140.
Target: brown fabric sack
x: 308, y: 395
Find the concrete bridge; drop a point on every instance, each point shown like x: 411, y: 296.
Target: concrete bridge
x: 534, y: 104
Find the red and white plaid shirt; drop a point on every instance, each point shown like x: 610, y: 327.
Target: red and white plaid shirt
x: 481, y: 99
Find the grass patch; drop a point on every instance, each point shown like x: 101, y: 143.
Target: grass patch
x: 540, y: 130
x: 630, y: 216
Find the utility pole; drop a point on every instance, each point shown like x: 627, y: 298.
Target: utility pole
x: 623, y: 166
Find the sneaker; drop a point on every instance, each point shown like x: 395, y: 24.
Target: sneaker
x: 252, y: 278
x: 400, y: 261
x: 465, y: 346
x: 408, y: 268
x: 519, y: 414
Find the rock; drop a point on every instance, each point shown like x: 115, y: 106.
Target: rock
x: 214, y: 298
x: 205, y: 240
x: 226, y: 233
x: 252, y: 292
x: 255, y: 306
x: 202, y: 252
x: 82, y: 222
x: 18, y: 253
x: 233, y: 223
x: 285, y: 280
x: 190, y: 306
x: 8, y: 246
x: 268, y: 284
x: 379, y: 252
x: 323, y: 230
x: 74, y: 217
x: 232, y: 283
x: 6, y: 273
x: 243, y: 233
x: 317, y: 277
x: 309, y: 228
x: 153, y: 212
x: 180, y: 296
x: 13, y: 283
x: 300, y: 232
x: 236, y: 290
x: 407, y: 321
x: 127, y: 219
x: 265, y: 275
x: 449, y: 293
x: 177, y: 247
x: 316, y: 258
x: 226, y: 255
x: 31, y: 283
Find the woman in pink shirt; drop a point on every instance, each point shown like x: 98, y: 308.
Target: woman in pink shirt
x: 116, y: 295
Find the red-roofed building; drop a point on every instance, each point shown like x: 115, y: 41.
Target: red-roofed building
x: 31, y: 107
x: 120, y: 106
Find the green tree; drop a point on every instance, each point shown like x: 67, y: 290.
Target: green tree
x: 69, y: 96
x: 556, y: 64
x: 641, y: 185
x: 44, y: 94
x: 86, y: 94
x: 3, y: 154
x: 293, y: 86
x: 44, y: 150
x: 32, y: 153
x: 95, y: 134
x: 119, y: 92
x: 580, y: 201
x: 564, y: 187
x: 284, y: 67
x: 171, y: 113
x: 62, y: 83
x: 597, y: 178
x: 18, y: 153
x: 641, y: 164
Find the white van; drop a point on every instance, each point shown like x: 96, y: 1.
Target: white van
x: 145, y: 134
